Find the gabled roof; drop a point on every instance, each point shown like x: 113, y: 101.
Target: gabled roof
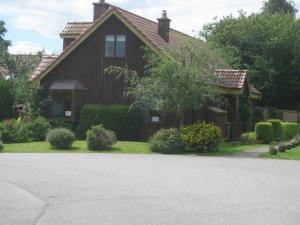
x: 147, y: 31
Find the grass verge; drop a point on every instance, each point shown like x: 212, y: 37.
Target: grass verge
x: 293, y: 154
x: 122, y: 147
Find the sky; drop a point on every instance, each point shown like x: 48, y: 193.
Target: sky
x: 34, y: 25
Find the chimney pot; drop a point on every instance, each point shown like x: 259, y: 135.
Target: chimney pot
x: 164, y: 26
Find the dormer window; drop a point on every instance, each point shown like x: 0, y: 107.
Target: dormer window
x: 115, y: 46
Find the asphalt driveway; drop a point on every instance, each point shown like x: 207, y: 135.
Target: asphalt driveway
x: 92, y: 189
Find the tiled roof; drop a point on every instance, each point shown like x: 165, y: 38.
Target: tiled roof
x: 232, y: 78
x: 149, y: 30
x: 76, y: 28
x: 45, y: 62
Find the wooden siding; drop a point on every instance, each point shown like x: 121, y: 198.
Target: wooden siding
x: 87, y: 64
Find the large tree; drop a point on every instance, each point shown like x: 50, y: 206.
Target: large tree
x: 269, y: 46
x: 173, y: 84
x: 3, y: 44
x: 279, y: 6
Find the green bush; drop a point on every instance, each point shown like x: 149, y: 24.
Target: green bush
x: 38, y: 129
x: 201, y: 136
x: 248, y: 138
x: 264, y: 132
x: 14, y: 131
x: 1, y: 145
x: 276, y: 124
x: 98, y: 138
x: 6, y: 99
x: 289, y: 130
x: 124, y: 122
x: 166, y: 141
x: 61, y: 138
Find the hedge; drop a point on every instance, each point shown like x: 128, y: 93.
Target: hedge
x: 289, y: 130
x: 125, y: 122
x: 276, y: 124
x: 6, y: 99
x: 264, y: 132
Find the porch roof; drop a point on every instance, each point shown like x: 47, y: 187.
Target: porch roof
x: 67, y: 85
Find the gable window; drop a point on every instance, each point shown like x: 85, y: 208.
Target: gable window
x: 115, y: 46
x: 120, y: 46
x: 110, y: 46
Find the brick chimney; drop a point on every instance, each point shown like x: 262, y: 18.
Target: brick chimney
x: 164, y: 26
x: 100, y: 8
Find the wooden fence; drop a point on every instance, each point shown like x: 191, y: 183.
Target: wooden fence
x: 263, y: 114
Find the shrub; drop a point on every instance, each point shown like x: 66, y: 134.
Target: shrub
x: 38, y: 129
x: 14, y: 131
x: 276, y: 124
x: 289, y: 130
x: 273, y: 150
x: 124, y: 122
x: 6, y: 99
x: 61, y: 138
x: 264, y: 132
x: 98, y: 138
x: 1, y: 145
x: 201, y: 136
x: 248, y: 138
x: 166, y: 141
x: 282, y: 147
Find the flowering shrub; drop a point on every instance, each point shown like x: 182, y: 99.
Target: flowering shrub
x: 201, y: 136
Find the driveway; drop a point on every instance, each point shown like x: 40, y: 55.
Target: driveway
x: 109, y: 189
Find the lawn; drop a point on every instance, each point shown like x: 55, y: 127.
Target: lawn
x: 293, y: 154
x: 120, y: 147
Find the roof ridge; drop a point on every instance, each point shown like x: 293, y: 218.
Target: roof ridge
x: 152, y: 21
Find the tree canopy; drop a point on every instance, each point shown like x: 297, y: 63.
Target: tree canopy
x: 266, y: 44
x: 172, y: 84
x: 279, y: 6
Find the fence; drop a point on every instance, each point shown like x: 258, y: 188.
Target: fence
x: 263, y: 114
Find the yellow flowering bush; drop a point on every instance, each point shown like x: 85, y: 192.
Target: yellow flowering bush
x: 201, y: 136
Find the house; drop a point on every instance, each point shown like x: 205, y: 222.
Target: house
x: 116, y: 37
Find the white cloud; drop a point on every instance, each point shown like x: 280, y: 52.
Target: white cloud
x: 48, y: 17
x: 26, y: 47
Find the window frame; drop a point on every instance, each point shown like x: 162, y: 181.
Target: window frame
x: 115, y: 46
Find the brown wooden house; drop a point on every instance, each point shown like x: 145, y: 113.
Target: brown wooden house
x: 116, y: 37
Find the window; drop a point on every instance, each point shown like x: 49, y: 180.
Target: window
x: 120, y: 46
x: 115, y: 46
x: 109, y: 46
x: 62, y: 106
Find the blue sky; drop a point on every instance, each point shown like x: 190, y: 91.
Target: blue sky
x: 35, y: 24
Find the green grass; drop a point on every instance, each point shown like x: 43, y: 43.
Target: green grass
x: 293, y: 154
x: 78, y: 147
x: 120, y: 147
x: 228, y: 149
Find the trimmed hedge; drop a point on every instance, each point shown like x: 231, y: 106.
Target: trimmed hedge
x: 289, y: 130
x: 98, y: 138
x: 166, y: 141
x: 248, y: 138
x: 61, y: 138
x: 126, y: 123
x: 276, y: 124
x: 264, y: 132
